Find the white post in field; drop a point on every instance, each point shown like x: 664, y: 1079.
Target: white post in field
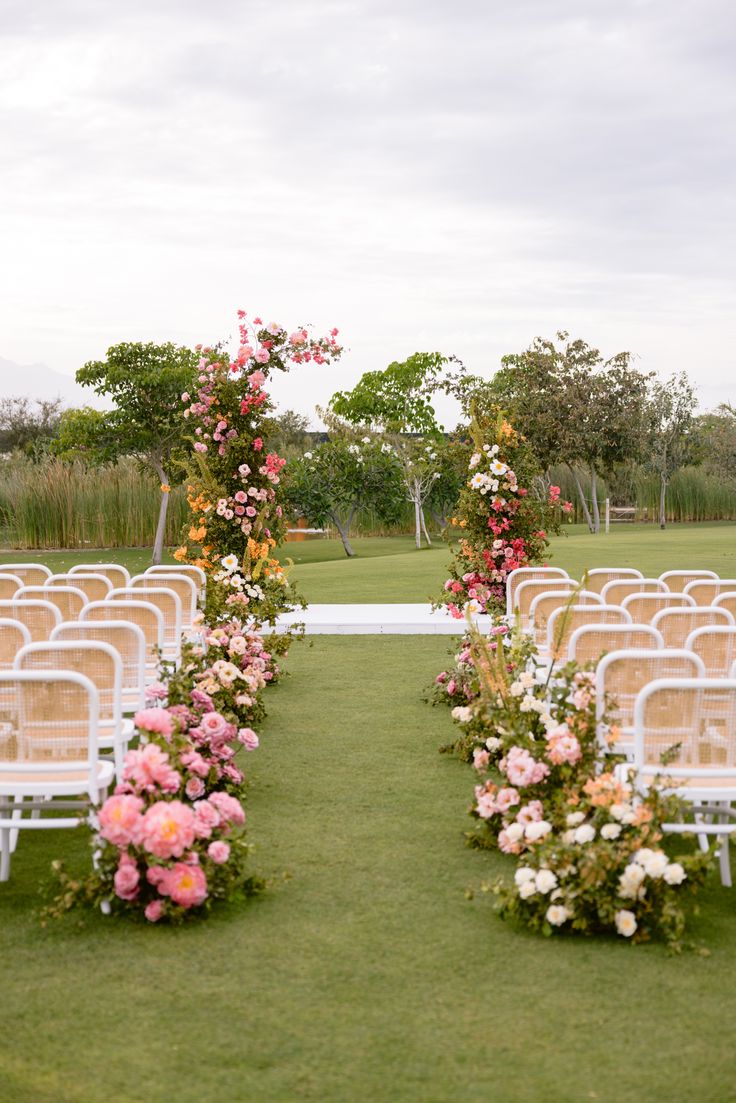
x: 608, y: 515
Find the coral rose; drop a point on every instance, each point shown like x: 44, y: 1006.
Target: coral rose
x: 154, y: 720
x: 120, y: 819
x: 185, y: 884
x: 168, y: 829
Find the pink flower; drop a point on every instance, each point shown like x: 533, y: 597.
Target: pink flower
x: 530, y: 812
x: 194, y: 762
x: 127, y: 879
x: 149, y: 768
x: 257, y: 378
x: 240, y: 497
x: 248, y: 738
x: 194, y: 788
x: 481, y: 758
x: 156, y: 691
x: 521, y: 769
x: 206, y: 819
x: 120, y: 819
x: 213, y: 725
x: 199, y: 446
x: 168, y: 829
x: 508, y: 845
x: 228, y: 807
x: 505, y: 798
x: 154, y: 720
x: 563, y: 748
x: 154, y: 911
x: 219, y: 852
x: 185, y: 884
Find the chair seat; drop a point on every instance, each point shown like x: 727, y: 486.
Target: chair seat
x: 52, y: 781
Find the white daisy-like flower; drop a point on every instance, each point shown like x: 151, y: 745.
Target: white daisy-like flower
x: 230, y: 562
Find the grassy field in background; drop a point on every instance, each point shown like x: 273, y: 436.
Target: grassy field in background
x: 367, y: 976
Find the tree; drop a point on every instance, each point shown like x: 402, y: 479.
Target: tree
x: 341, y: 476
x: 289, y: 432
x: 713, y: 441
x: 145, y: 382
x: 671, y: 411
x: 26, y: 428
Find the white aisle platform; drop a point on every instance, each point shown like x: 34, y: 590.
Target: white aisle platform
x: 395, y: 620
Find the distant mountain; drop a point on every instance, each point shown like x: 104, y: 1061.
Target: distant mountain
x: 41, y: 381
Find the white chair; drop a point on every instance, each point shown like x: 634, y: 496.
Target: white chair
x: 128, y: 640
x: 679, y: 713
x: 118, y: 575
x: 181, y: 584
x: 705, y: 591
x: 676, y: 581
x: 599, y: 577
x: 621, y: 675
x: 590, y: 642
x: 68, y: 599
x: 48, y: 748
x: 726, y: 602
x: 613, y: 593
x: 528, y: 574
x: 168, y: 601
x: 102, y: 664
x: 95, y: 587
x: 9, y: 585
x: 677, y: 624
x: 13, y: 636
x: 716, y: 646
x: 188, y: 569
x: 142, y: 613
x: 644, y: 607
x: 30, y: 574
x: 39, y: 617
x: 565, y: 620
x: 544, y: 605
x: 525, y: 592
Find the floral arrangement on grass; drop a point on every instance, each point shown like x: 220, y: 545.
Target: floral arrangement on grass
x: 236, y: 520
x: 170, y: 841
x: 505, y: 525
x: 588, y: 848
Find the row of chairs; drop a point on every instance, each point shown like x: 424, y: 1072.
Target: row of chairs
x: 70, y: 680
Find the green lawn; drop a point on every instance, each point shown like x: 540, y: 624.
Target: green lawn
x: 368, y: 975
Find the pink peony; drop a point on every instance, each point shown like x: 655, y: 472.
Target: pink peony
x: 185, y: 884
x: 521, y: 769
x: 248, y: 738
x: 168, y: 829
x: 219, y: 852
x: 530, y: 813
x: 127, y: 879
x: 229, y: 808
x: 154, y: 720
x: 120, y: 819
x: 194, y: 788
x: 149, y: 768
x: 206, y: 819
x: 154, y: 911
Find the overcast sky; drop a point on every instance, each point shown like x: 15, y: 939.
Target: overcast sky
x: 424, y: 175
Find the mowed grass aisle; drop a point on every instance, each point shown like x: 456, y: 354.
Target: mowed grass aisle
x: 368, y: 975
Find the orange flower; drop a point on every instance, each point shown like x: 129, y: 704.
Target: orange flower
x: 165, y: 488
x: 198, y: 534
x: 180, y: 553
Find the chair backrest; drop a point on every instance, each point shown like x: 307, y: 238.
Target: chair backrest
x: 694, y: 720
x: 525, y: 592
x: 716, y: 646
x: 677, y: 624
x: 147, y: 616
x: 726, y: 602
x: 99, y: 662
x: 164, y: 599
x: 127, y: 638
x: 613, y: 593
x: 39, y: 617
x: 95, y: 587
x: 188, y: 569
x: 13, y: 636
x: 528, y: 574
x: 599, y: 577
x: 676, y: 581
x: 564, y: 621
x: 68, y: 599
x: 704, y: 591
x: 30, y: 574
x: 118, y: 575
x: 621, y: 675
x: 643, y: 607
x: 181, y: 584
x: 54, y: 726
x: 9, y: 585
x: 591, y: 641
x: 544, y: 605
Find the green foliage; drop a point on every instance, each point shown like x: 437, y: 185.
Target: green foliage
x: 397, y: 399
x: 26, y: 429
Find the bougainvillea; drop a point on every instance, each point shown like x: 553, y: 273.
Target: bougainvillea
x: 236, y: 520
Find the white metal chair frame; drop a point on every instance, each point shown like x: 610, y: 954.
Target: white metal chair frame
x: 616, y: 629
x: 679, y: 601
x: 172, y: 633
x: 188, y: 569
x: 655, y: 586
x: 578, y: 607
x: 623, y: 574
x: 30, y: 593
x: 674, y: 614
x: 528, y: 574
x: 725, y: 585
x: 694, y: 575
x: 714, y: 629
x: 95, y: 568
x: 12, y: 568
x: 145, y: 582
x: 36, y: 784
x: 70, y: 580
x: 114, y: 608
x: 28, y: 603
x: 134, y: 692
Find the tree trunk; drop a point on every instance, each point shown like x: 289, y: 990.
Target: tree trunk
x: 344, y: 530
x: 158, y: 543
x: 594, y: 496
x: 662, y: 501
x: 424, y: 528
x: 417, y: 518
x: 581, y: 495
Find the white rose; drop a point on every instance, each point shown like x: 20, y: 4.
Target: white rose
x: 527, y: 889
x: 474, y: 460
x: 493, y: 743
x: 516, y: 689
x: 527, y: 705
x: 515, y: 832
x: 610, y: 831
x: 537, y: 829
x: 585, y: 833
x: 625, y: 923
x: 307, y: 455
x: 630, y: 881
x: 656, y: 865
x: 557, y: 914
x: 574, y: 819
x: 523, y: 874
x: 462, y: 714
x: 546, y: 881
x: 527, y: 679
x: 494, y: 450
x: 643, y: 855
x: 674, y: 874
x: 568, y: 837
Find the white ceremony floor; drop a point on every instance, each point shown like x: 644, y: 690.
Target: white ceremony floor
x: 396, y: 620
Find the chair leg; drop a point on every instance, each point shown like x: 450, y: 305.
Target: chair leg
x: 4, y: 853
x: 724, y: 860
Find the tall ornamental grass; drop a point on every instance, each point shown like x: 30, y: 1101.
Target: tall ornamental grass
x: 55, y: 504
